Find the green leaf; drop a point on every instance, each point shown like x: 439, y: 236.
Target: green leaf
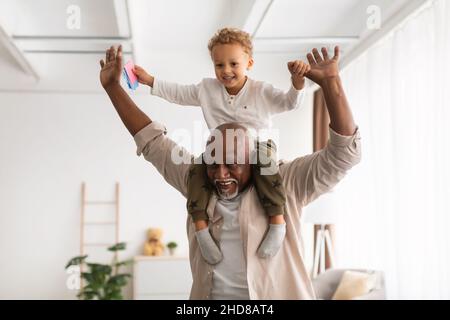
x: 172, y: 245
x: 117, y: 247
x: 99, y: 268
x: 116, y: 296
x: 119, y: 280
x: 113, y: 295
x: 87, y: 294
x: 124, y: 263
x: 76, y: 261
x: 88, y: 277
x: 88, y: 287
x: 100, y: 283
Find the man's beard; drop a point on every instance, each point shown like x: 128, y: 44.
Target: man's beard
x: 226, y: 195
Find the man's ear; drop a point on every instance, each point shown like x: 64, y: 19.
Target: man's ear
x: 250, y: 63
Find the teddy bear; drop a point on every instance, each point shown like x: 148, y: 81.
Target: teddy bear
x: 154, y: 246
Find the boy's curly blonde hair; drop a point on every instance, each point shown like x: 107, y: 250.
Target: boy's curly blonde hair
x: 232, y: 35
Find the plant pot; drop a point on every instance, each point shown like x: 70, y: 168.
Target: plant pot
x: 172, y: 251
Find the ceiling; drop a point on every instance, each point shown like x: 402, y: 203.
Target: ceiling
x: 40, y: 52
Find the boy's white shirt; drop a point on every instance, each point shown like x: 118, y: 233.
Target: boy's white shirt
x: 253, y: 106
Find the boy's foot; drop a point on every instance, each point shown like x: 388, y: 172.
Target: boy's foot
x: 209, y: 249
x: 272, y: 241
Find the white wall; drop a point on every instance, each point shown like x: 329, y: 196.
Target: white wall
x: 51, y: 142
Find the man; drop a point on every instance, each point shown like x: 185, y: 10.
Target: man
x: 237, y: 219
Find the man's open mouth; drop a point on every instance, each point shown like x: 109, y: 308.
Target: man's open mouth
x: 225, y: 184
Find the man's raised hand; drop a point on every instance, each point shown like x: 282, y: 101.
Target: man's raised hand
x: 322, y: 67
x: 112, y: 68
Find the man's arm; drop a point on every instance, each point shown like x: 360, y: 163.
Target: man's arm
x: 150, y: 137
x: 132, y: 117
x: 325, y: 72
x: 171, y: 160
x: 310, y: 176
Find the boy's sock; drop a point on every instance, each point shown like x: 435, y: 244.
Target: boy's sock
x: 272, y: 241
x: 209, y: 249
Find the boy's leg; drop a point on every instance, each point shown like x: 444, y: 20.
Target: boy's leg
x: 199, y: 192
x: 272, y: 195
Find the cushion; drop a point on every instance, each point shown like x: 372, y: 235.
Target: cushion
x: 354, y: 284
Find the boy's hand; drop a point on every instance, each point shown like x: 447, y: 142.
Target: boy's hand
x: 143, y: 76
x: 298, y: 69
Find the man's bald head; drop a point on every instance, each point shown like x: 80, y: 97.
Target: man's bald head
x: 227, y: 159
x: 229, y: 143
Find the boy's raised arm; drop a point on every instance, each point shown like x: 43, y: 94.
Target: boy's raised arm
x: 185, y: 95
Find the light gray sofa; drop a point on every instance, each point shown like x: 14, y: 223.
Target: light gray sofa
x: 326, y: 283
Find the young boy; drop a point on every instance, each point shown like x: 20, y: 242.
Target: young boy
x: 233, y: 97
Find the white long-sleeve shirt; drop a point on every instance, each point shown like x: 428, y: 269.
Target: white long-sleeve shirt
x: 253, y: 106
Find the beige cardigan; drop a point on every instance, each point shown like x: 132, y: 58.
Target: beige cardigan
x: 285, y: 275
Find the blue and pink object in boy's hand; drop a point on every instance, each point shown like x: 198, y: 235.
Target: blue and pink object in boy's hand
x: 129, y: 75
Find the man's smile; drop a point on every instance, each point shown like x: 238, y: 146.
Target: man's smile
x: 225, y: 185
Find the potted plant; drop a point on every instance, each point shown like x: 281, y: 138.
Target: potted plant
x: 102, y: 281
x: 172, y: 246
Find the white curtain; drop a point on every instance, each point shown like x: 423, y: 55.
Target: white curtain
x: 394, y: 208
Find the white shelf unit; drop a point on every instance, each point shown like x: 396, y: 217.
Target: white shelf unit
x: 161, y: 278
